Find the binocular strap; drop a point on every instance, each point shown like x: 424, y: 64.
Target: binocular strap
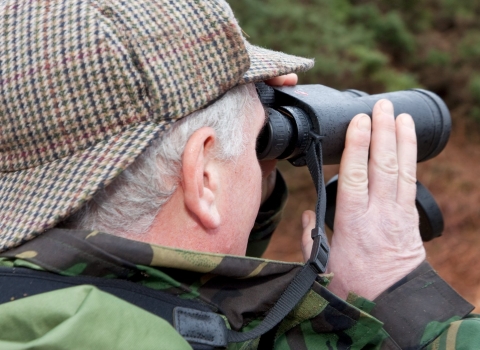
x: 317, y: 263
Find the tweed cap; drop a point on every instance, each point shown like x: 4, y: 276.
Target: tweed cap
x: 85, y: 85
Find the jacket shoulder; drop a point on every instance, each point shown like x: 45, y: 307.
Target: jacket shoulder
x: 83, y: 317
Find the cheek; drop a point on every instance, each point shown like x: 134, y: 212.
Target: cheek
x: 255, y: 174
x: 257, y: 188
x: 246, y: 184
x: 250, y: 188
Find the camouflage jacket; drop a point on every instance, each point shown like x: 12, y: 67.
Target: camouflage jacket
x: 421, y: 311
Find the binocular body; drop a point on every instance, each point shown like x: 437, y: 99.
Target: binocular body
x: 296, y: 114
x: 302, y: 114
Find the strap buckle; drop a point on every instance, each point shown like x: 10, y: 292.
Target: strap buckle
x: 320, y: 251
x: 200, y: 327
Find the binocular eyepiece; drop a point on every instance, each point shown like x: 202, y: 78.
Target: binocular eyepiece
x: 297, y: 113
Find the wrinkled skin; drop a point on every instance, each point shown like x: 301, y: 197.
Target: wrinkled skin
x: 376, y: 240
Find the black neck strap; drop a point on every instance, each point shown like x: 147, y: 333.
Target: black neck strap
x: 320, y: 249
x: 317, y: 263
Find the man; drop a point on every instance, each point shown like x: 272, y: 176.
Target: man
x: 128, y: 160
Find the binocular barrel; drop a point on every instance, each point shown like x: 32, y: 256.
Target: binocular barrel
x: 295, y: 113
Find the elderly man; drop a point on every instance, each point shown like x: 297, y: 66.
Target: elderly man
x: 130, y: 186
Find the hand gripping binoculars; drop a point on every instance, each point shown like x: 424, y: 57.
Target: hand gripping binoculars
x: 298, y: 114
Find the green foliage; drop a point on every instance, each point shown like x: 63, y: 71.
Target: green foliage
x: 368, y: 61
x: 348, y: 50
x: 475, y: 88
x: 475, y: 114
x: 438, y: 58
x: 460, y: 8
x: 377, y: 45
x: 469, y: 46
x: 394, y: 81
x: 389, y: 30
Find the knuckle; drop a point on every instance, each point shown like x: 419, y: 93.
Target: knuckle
x: 355, y: 177
x: 397, y: 224
x: 388, y: 126
x: 408, y: 176
x: 387, y: 163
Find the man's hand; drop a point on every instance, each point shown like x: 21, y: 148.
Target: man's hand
x: 269, y: 166
x: 283, y: 80
x: 376, y: 238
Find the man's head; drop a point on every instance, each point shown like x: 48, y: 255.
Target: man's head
x: 87, y: 86
x: 207, y: 163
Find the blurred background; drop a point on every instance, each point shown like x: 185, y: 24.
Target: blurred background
x: 378, y: 46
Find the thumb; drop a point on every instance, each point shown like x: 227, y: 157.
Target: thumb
x: 308, y: 224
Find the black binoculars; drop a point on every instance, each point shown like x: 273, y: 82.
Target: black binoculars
x: 297, y: 115
x: 295, y: 112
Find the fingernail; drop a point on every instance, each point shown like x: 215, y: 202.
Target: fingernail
x: 364, y: 123
x: 407, y: 120
x: 387, y: 106
x: 305, y: 220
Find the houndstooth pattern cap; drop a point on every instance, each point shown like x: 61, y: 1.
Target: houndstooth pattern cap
x: 85, y: 85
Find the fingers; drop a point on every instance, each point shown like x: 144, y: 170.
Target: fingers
x: 381, y: 232
x: 393, y: 157
x: 383, y: 167
x: 283, y: 80
x: 407, y: 160
x: 353, y: 175
x: 308, y: 224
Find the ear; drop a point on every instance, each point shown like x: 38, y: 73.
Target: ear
x: 201, y: 177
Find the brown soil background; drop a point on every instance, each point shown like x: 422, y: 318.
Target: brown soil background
x: 452, y: 177
x: 377, y: 46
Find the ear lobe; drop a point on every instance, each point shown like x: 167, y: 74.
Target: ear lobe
x: 201, y: 177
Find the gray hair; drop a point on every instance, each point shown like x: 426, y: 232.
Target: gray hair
x: 131, y: 202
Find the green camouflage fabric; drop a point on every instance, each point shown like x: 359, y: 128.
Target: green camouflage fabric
x: 423, y: 299
x: 83, y: 317
x: 243, y: 289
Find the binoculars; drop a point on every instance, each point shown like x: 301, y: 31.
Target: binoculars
x: 300, y: 113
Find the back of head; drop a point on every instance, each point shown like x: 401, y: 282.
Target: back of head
x: 86, y: 86
x: 130, y: 203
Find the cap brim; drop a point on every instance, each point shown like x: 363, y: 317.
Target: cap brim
x: 36, y: 199
x: 266, y: 64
